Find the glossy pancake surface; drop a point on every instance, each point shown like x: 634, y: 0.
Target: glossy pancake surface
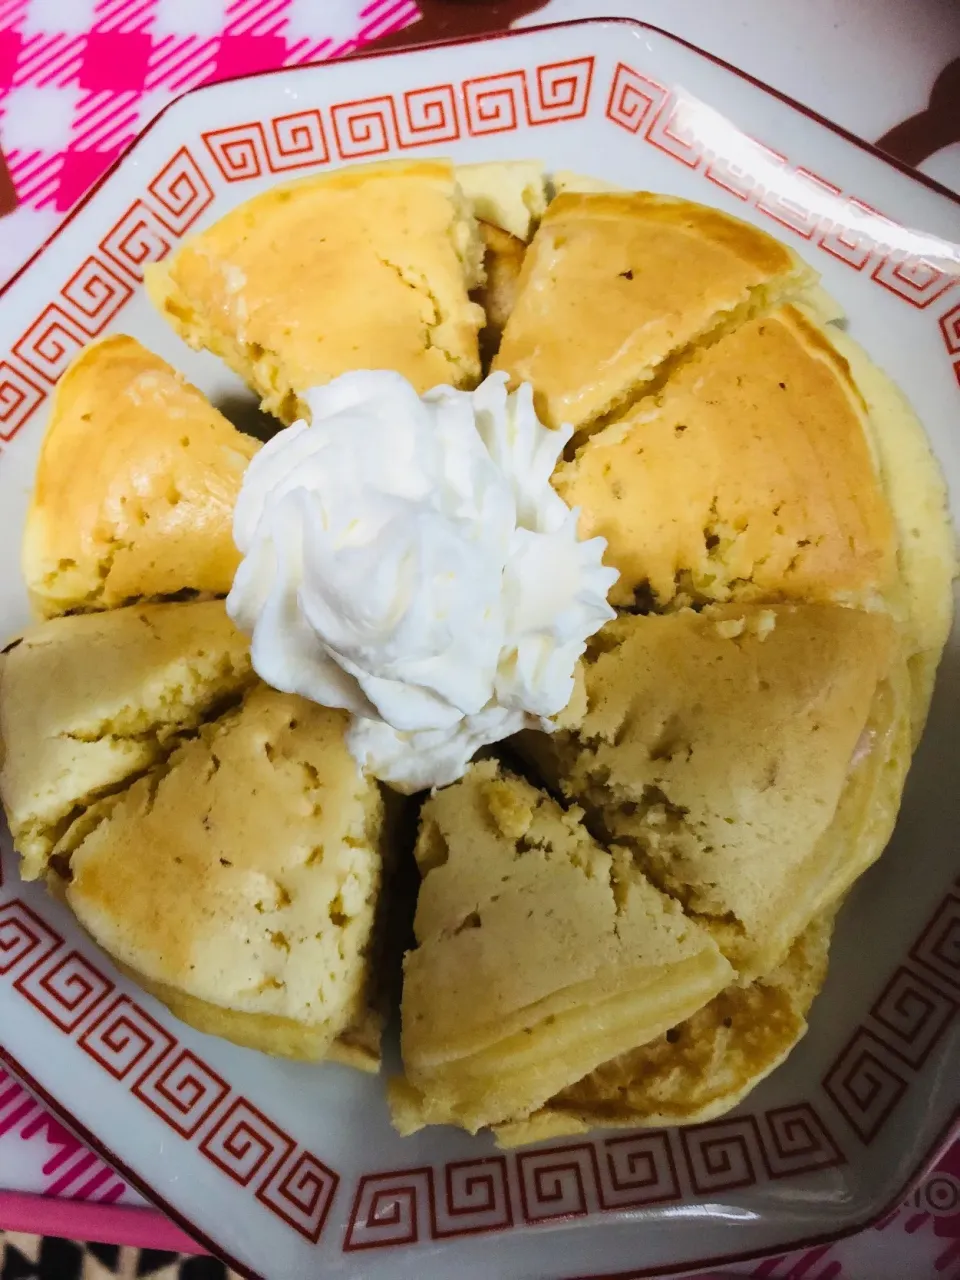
x: 366, y: 267
x: 615, y: 284
x: 135, y: 486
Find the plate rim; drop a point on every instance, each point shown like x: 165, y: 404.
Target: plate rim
x: 921, y: 179
x: 943, y: 1139
x: 951, y: 1127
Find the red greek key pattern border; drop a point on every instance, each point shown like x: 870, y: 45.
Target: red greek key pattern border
x: 794, y: 197
x: 191, y: 1099
x: 652, y: 1166
x: 879, y: 1063
x: 99, y: 289
x: 574, y: 1180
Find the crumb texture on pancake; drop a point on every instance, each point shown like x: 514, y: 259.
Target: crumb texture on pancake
x: 749, y: 476
x: 153, y: 517
x: 90, y: 701
x: 539, y: 955
x: 701, y: 1068
x: 244, y: 873
x: 366, y: 267
x: 614, y: 286
x: 711, y: 740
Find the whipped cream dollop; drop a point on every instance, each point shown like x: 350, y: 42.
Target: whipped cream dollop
x: 406, y: 558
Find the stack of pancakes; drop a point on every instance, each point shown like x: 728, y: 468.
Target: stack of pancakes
x: 622, y: 922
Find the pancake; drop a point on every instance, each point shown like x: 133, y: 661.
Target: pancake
x: 700, y: 1069
x: 765, y: 436
x: 615, y: 285
x: 509, y: 194
x: 365, y: 267
x: 91, y: 701
x: 539, y: 956
x: 153, y: 516
x: 503, y: 260
x: 926, y: 540
x: 239, y: 879
x: 751, y: 759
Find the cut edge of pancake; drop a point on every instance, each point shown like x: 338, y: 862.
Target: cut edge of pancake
x: 797, y: 283
x: 197, y: 688
x: 680, y: 1078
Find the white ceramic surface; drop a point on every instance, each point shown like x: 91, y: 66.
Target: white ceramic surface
x: 292, y: 1170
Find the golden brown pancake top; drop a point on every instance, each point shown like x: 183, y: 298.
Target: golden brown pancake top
x: 135, y: 487
x: 613, y: 285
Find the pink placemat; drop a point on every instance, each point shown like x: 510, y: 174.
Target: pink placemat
x: 80, y: 78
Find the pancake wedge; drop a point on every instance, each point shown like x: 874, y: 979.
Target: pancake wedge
x: 91, y: 701
x: 239, y: 880
x: 700, y: 1069
x: 366, y: 267
x: 614, y: 285
x: 537, y: 953
x: 751, y: 475
x: 750, y: 758
x: 135, y: 488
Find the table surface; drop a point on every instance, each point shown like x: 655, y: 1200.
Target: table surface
x: 80, y: 78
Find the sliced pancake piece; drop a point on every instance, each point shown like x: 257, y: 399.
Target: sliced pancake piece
x: 88, y: 702
x: 503, y: 260
x: 537, y: 953
x: 765, y: 438
x: 135, y: 487
x: 752, y: 760
x: 614, y: 285
x: 509, y: 194
x: 366, y: 267
x: 239, y: 880
x: 700, y: 1069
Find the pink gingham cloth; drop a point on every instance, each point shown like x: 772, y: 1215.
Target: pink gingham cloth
x: 79, y: 79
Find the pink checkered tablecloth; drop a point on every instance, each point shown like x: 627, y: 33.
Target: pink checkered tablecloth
x: 80, y: 78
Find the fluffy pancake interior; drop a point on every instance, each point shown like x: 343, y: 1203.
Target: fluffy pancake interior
x: 264, y: 908
x: 765, y: 436
x: 616, y: 285
x: 366, y: 267
x: 90, y: 701
x: 153, y: 516
x: 537, y: 951
x: 712, y: 742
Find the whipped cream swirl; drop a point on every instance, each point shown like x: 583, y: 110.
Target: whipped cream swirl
x: 406, y: 559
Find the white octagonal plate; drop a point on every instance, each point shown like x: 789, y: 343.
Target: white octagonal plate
x: 291, y: 1170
